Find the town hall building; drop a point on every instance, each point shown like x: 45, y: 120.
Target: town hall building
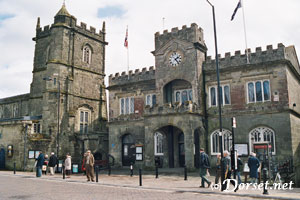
x: 164, y: 114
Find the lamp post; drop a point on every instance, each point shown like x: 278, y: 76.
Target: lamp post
x: 58, y: 114
x: 219, y: 98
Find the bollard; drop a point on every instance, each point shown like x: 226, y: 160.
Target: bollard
x: 14, y: 167
x: 265, y: 180
x: 97, y: 173
x: 185, y: 173
x: 140, y: 173
x: 64, y: 175
x: 109, y: 170
x: 131, y: 170
x: 156, y: 172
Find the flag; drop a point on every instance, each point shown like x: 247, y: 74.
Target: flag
x: 126, y: 39
x: 239, y: 5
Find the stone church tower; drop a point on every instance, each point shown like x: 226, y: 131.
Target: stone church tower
x: 68, y: 88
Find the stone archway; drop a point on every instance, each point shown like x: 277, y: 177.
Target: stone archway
x: 128, y: 150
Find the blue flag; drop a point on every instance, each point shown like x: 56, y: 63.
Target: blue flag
x: 239, y: 5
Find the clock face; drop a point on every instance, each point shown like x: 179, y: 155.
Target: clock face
x: 175, y: 59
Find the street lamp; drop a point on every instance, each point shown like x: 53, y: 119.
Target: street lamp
x: 58, y: 113
x: 219, y: 98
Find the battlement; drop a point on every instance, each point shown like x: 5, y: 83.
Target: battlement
x: 70, y: 22
x: 131, y: 77
x: 259, y: 56
x: 191, y: 34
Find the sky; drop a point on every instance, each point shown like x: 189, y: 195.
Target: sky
x: 267, y: 22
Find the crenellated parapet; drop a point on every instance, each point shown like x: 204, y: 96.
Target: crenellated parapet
x: 192, y: 34
x: 132, y: 77
x: 257, y: 57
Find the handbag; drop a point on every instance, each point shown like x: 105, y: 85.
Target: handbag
x: 44, y: 168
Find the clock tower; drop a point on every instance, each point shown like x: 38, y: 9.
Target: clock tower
x: 179, y: 55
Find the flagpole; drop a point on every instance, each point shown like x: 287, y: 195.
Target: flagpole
x: 245, y: 34
x: 127, y: 53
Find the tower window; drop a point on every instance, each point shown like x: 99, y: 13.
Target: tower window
x: 87, y: 54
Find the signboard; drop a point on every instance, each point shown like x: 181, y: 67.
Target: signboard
x: 139, y: 153
x: 242, y: 149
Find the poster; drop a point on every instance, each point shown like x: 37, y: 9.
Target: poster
x: 242, y: 149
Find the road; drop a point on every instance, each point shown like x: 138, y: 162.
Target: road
x: 31, y: 188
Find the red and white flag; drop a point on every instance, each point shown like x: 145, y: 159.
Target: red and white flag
x: 126, y: 39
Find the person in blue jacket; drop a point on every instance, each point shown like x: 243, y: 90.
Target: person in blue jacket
x: 253, y: 164
x: 40, y: 161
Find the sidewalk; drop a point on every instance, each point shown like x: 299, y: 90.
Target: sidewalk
x: 164, y: 183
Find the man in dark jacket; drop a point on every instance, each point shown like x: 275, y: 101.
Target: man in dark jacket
x: 52, y: 163
x: 39, y: 164
x: 204, y: 166
x: 253, y: 164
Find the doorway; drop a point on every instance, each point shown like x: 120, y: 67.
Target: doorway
x: 128, y: 150
x: 181, y: 150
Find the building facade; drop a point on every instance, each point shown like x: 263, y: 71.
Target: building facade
x: 66, y: 109
x: 168, y: 112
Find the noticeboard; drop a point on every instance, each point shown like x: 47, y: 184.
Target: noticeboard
x: 242, y: 149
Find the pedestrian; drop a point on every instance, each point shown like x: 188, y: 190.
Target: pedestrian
x: 52, y: 163
x: 39, y: 164
x: 45, y: 164
x: 218, y: 168
x: 227, y: 167
x: 204, y: 166
x: 68, y: 164
x: 239, y: 168
x: 253, y: 164
x: 89, y: 166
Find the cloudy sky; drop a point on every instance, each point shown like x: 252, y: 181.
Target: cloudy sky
x: 267, y: 22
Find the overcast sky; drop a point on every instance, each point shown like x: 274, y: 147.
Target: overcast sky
x: 267, y: 22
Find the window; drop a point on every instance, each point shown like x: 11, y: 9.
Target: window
x: 227, y: 141
x: 87, y: 54
x: 36, y: 128
x: 258, y: 91
x: 126, y: 105
x: 158, y: 144
x: 183, y: 95
x: 262, y: 134
x: 224, y: 92
x: 151, y: 100
x: 84, y: 121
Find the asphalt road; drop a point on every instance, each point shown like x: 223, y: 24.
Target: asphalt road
x: 28, y: 187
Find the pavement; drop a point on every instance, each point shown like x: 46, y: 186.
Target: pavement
x: 165, y: 182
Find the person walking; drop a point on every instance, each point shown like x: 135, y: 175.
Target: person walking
x: 253, y: 164
x: 45, y: 164
x: 218, y: 168
x: 39, y: 164
x: 204, y: 166
x: 52, y: 163
x: 68, y: 164
x: 89, y: 165
x: 227, y: 167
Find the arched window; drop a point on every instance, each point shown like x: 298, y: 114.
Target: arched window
x: 260, y: 135
x: 158, y: 144
x: 215, y: 143
x: 87, y: 54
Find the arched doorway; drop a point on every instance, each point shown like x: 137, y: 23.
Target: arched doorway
x: 128, y: 150
x: 173, y: 154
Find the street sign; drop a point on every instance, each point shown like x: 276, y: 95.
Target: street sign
x: 233, y: 122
